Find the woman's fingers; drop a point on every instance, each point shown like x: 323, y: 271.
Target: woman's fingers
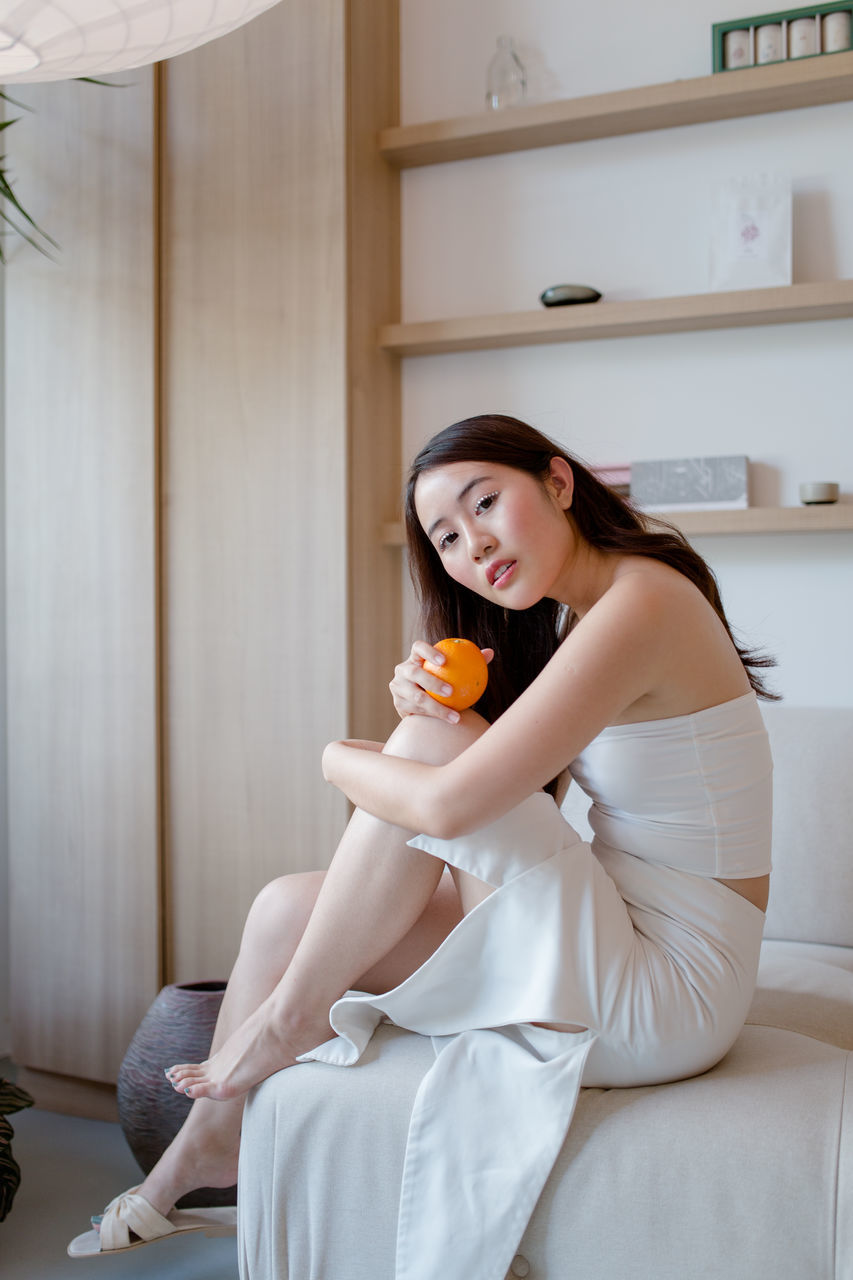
x: 411, y: 697
x: 411, y: 685
x: 429, y: 681
x: 423, y: 652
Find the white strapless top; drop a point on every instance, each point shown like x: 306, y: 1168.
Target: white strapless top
x: 691, y: 792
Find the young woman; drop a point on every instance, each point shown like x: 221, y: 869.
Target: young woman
x: 461, y: 905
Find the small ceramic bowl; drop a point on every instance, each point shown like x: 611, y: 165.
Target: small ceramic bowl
x: 818, y: 491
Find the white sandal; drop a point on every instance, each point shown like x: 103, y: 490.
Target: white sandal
x: 131, y: 1215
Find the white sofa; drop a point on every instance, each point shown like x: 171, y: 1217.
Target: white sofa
x: 744, y: 1173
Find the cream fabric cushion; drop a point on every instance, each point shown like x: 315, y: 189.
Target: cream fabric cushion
x: 811, y: 890
x: 799, y: 992
x: 321, y: 1162
x: 729, y: 1176
x: 744, y: 1173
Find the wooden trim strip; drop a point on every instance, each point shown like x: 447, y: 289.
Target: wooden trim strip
x: 69, y: 1095
x: 164, y: 948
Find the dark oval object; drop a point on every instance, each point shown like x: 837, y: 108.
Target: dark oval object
x: 564, y: 295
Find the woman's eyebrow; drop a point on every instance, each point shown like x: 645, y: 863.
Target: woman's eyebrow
x: 460, y: 495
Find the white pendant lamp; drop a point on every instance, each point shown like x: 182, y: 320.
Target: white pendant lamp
x: 64, y: 39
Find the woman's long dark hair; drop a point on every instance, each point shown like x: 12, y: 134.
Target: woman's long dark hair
x: 524, y: 640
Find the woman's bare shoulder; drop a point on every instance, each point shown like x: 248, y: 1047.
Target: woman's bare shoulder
x: 642, y: 583
x: 697, y: 664
x: 653, y: 572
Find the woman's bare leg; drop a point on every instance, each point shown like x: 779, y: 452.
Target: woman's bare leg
x: 375, y: 891
x: 204, y: 1153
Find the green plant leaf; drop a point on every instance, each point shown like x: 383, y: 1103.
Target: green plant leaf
x: 14, y: 101
x: 8, y: 195
x: 25, y: 235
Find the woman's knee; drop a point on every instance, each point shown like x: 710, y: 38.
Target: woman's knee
x: 434, y: 741
x: 282, y: 907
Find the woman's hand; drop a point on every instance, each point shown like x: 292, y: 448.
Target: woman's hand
x: 411, y: 682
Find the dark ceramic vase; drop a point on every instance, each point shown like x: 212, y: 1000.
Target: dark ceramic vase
x: 177, y: 1028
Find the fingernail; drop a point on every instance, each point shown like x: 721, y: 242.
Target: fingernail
x: 447, y: 689
x: 454, y: 717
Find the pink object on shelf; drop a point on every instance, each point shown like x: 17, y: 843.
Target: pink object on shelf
x: 619, y: 474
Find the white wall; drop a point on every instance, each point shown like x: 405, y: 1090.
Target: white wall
x: 631, y: 217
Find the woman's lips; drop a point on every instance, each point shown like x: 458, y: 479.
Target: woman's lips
x: 499, y: 574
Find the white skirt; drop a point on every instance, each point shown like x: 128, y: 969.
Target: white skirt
x: 657, y: 965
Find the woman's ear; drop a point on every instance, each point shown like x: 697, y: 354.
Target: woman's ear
x: 561, y: 482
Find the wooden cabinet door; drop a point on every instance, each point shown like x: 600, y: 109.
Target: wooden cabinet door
x: 280, y: 446
x: 255, y: 467
x: 81, y: 551
x: 203, y: 445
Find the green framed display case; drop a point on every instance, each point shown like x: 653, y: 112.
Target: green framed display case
x: 743, y: 51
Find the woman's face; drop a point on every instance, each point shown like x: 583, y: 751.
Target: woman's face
x: 500, y: 532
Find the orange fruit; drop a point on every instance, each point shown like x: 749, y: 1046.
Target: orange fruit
x: 464, y: 668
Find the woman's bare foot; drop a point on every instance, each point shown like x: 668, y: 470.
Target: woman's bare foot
x: 263, y: 1045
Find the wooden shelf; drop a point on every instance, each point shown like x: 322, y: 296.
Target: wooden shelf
x: 727, y: 95
x: 830, y: 300
x: 831, y: 518
x: 783, y: 86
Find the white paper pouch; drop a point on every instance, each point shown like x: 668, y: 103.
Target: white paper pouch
x: 751, y: 233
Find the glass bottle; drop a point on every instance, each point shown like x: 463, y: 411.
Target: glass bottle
x: 506, y: 81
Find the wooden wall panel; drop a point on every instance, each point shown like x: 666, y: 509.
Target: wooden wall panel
x: 255, y: 420
x: 203, y: 446
x: 373, y: 249
x: 81, y: 582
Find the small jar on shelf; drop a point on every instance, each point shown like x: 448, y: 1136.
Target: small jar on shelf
x: 737, y: 48
x: 836, y: 31
x: 803, y: 37
x: 769, y: 43
x: 506, y: 79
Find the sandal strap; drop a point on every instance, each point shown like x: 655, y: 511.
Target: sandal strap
x: 131, y: 1212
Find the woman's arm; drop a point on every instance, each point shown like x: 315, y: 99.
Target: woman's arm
x: 617, y: 653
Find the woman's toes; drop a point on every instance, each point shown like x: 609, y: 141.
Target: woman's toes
x: 181, y: 1077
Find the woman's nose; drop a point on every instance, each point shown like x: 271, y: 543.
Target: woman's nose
x: 482, y: 544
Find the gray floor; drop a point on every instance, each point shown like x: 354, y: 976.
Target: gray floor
x: 70, y: 1168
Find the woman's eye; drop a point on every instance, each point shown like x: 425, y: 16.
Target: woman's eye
x: 485, y: 502
x: 446, y: 540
